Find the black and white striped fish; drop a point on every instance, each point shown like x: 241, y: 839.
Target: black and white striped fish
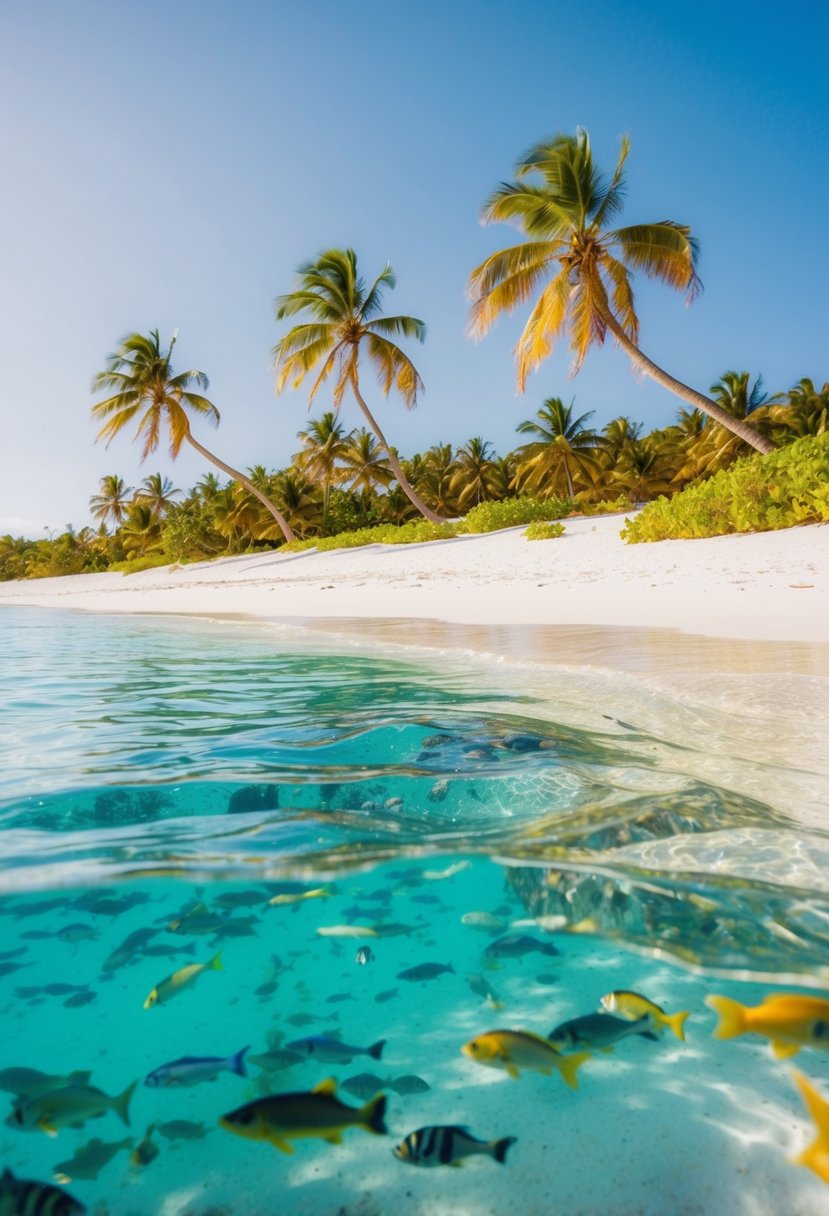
x: 23, y: 1197
x: 447, y: 1144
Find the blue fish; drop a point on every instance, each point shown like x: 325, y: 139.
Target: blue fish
x: 192, y: 1070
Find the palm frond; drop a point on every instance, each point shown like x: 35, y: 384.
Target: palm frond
x: 405, y: 327
x: 614, y: 194
x: 532, y: 208
x: 374, y: 296
x: 587, y: 324
x: 202, y: 406
x: 506, y: 280
x: 544, y: 326
x: 622, y: 296
x: 665, y: 251
x: 295, y: 367
x: 394, y: 369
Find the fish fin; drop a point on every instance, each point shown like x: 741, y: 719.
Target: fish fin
x: 376, y: 1051
x: 784, y: 1051
x: 237, y: 1062
x: 46, y: 1127
x: 372, y: 1115
x: 121, y: 1104
x: 512, y: 1071
x: 814, y: 1158
x: 78, y: 1078
x: 570, y: 1065
x: 649, y: 1034
x: 732, y: 1021
x: 328, y: 1086
x: 817, y: 1107
x: 215, y: 963
x: 284, y: 1146
x: 677, y: 1021
x: 499, y: 1148
x: 334, y: 1138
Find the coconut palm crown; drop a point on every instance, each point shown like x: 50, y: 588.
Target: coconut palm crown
x: 582, y: 266
x: 344, y: 319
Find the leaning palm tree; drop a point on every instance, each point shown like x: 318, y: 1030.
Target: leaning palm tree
x: 142, y: 382
x: 112, y: 502
x: 563, y: 204
x: 158, y: 493
x: 345, y: 319
x: 562, y: 449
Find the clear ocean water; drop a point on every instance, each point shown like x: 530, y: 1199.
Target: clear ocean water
x: 175, y: 790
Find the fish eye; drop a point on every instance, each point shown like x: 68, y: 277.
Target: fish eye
x: 819, y: 1029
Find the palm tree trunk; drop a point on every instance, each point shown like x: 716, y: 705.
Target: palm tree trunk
x: 287, y: 531
x: 402, y: 481
x: 697, y: 400
x: 571, y: 492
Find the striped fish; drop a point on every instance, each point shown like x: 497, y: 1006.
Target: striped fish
x: 27, y: 1198
x: 447, y: 1144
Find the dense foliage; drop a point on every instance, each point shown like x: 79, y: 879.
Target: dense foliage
x: 756, y: 494
x: 490, y: 516
x: 542, y: 531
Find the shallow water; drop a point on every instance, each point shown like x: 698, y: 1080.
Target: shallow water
x: 674, y: 837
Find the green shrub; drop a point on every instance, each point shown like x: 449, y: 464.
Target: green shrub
x: 756, y: 494
x: 148, y: 561
x: 415, y: 532
x: 491, y: 516
x: 607, y: 506
x: 543, y: 531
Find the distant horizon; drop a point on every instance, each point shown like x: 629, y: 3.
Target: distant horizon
x: 136, y: 207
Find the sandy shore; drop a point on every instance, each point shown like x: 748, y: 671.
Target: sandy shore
x: 771, y: 585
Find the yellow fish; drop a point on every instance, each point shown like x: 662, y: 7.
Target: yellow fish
x: 281, y: 1118
x: 816, y: 1156
x: 279, y: 901
x: 179, y: 980
x: 632, y: 1006
x: 346, y: 931
x: 788, y: 1020
x: 513, y: 1050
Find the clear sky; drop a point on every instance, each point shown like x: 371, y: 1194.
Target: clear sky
x: 169, y: 164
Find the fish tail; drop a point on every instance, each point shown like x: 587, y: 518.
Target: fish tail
x: 215, y: 963
x: 376, y: 1051
x: 372, y: 1115
x: 569, y: 1066
x: 121, y: 1104
x: 732, y: 1021
x: 677, y: 1021
x: 449, y: 967
x: 499, y: 1148
x: 237, y: 1062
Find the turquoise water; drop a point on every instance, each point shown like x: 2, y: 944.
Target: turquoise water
x: 157, y: 771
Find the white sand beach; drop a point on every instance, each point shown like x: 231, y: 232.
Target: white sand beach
x: 772, y: 585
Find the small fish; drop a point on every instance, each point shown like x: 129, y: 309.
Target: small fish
x: 193, y: 1070
x: 30, y: 1083
x: 788, y: 1020
x: 363, y: 1085
x: 167, y: 951
x: 448, y: 1144
x: 516, y: 945
x: 513, y: 1050
x: 364, y: 955
x: 425, y: 971
x: 816, y: 1156
x: 68, y: 1107
x: 146, y: 1150
x: 436, y: 740
x: 388, y: 994
x: 77, y: 933
x: 318, y: 1113
x: 332, y: 1051
x: 598, y: 1031
x: 21, y: 1196
x: 457, y: 868
x: 198, y: 924
x: 62, y: 989
x: 90, y: 1159
x: 239, y: 899
x: 548, y: 978
x: 304, y: 1019
x: 409, y: 1084
x: 481, y: 987
x: 346, y: 931
x: 426, y: 898
x: 298, y: 897
x: 276, y: 1060
x: 181, y: 1129
x: 393, y: 929
x: 10, y: 968
x: 337, y: 998
x: 179, y: 980
x: 484, y: 921
x: 5, y: 955
x: 80, y: 999
x: 124, y: 954
x: 439, y: 790
x: 632, y: 1005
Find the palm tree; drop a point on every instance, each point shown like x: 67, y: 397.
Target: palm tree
x: 345, y: 318
x: 112, y: 500
x: 475, y: 477
x: 365, y: 464
x: 563, y: 447
x: 142, y: 380
x: 324, y: 443
x: 158, y: 493
x: 804, y: 410
x: 207, y: 487
x: 644, y: 470
x: 616, y: 435
x: 563, y: 204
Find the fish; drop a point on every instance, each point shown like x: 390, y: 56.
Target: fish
x: 409, y: 1084
x: 37, y: 908
x: 337, y: 997
x: 146, y: 1150
x: 90, y: 1159
x: 393, y: 929
x: 77, y: 933
x: 457, y: 868
x: 80, y: 999
x: 307, y: 1019
x: 448, y: 1144
x: 317, y: 1113
x: 632, y: 1005
x: 513, y: 1050
x: 425, y: 971
x: 239, y: 899
x: 439, y: 790
x: 333, y: 1051
x: 484, y: 921
x: 480, y: 986
x: 548, y: 978
x: 788, y: 1020
x: 298, y: 897
x: 10, y: 968
x: 60, y: 989
x: 346, y: 931
x: 181, y: 1129
x: 179, y: 980
x: 193, y: 1070
x: 68, y: 1107
x: 364, y: 955
x: 30, y: 1083
x: 388, y: 994
x: 276, y: 1060
x: 167, y: 951
x: 598, y: 1031
x: 516, y: 945
x: 5, y: 955
x: 426, y: 898
x: 129, y: 947
x: 363, y: 1085
x: 20, y: 1196
x: 816, y: 1156
x: 198, y: 924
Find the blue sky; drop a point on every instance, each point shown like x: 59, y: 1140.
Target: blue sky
x: 169, y: 164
